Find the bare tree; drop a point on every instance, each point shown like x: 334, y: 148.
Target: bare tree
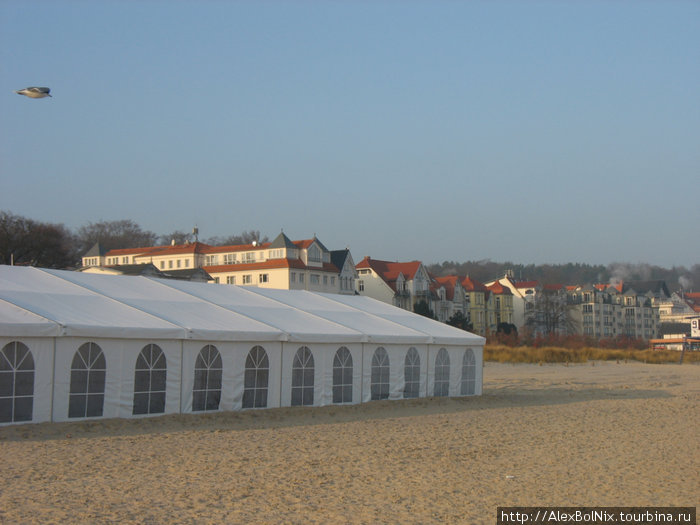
x: 176, y: 237
x: 114, y: 235
x: 245, y: 237
x: 550, y: 313
x: 27, y: 242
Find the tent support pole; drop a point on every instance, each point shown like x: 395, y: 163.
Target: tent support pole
x: 362, y: 373
x: 427, y: 369
x: 182, y: 369
x: 281, y: 369
x: 53, y: 373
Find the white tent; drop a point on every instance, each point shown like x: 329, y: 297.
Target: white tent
x: 76, y: 345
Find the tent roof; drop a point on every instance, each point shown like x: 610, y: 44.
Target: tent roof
x: 45, y: 302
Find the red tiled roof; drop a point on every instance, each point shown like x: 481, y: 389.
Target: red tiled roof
x: 388, y: 270
x: 194, y: 247
x: 449, y: 282
x: 237, y: 248
x: 303, y: 244
x: 498, y: 289
x: 132, y: 251
x: 472, y: 285
x: 693, y: 300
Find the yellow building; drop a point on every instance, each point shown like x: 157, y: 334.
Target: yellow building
x: 281, y: 264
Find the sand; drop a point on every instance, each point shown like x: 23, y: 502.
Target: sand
x: 606, y: 433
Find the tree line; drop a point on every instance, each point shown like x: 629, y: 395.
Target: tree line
x: 24, y: 241
x: 28, y: 242
x: 676, y: 278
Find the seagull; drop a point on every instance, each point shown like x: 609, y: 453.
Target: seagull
x: 34, y: 92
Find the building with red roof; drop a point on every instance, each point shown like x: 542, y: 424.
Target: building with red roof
x: 402, y: 284
x: 283, y: 264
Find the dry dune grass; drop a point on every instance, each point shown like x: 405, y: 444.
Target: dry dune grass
x: 554, y: 354
x: 609, y: 434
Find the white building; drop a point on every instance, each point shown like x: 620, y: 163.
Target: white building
x: 281, y: 264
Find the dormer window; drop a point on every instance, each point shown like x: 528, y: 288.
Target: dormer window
x: 314, y: 253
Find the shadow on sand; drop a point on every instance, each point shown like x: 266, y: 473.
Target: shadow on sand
x: 497, y: 397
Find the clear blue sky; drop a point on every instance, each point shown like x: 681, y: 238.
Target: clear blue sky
x: 524, y: 131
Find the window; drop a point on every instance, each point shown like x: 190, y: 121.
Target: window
x: 208, y: 370
x: 361, y: 285
x: 257, y: 373
x: 315, y: 279
x: 442, y: 373
x: 229, y: 258
x: 379, y: 385
x: 468, y: 384
x: 277, y: 253
x: 149, y: 381
x: 314, y: 253
x: 247, y: 279
x: 230, y: 279
x: 16, y: 383
x: 179, y: 263
x: 325, y: 280
x: 332, y: 281
x: 292, y: 277
x: 411, y: 373
x: 303, y: 377
x: 162, y: 265
x: 211, y: 260
x: 342, y: 376
x: 248, y: 257
x: 87, y: 382
x: 301, y: 277
x: 263, y: 278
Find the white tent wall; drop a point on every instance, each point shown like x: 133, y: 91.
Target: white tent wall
x: 65, y: 316
x: 42, y: 354
x: 120, y: 358
x: 316, y: 375
x: 395, y: 357
x: 325, y: 374
x: 456, y: 372
x: 233, y: 364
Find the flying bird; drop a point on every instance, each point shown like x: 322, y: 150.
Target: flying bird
x: 34, y: 92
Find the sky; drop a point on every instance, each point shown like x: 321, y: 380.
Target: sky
x: 533, y: 132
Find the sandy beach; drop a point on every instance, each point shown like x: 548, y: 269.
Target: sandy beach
x: 603, y: 433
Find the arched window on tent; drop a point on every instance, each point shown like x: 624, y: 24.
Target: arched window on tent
x: 468, y: 383
x: 149, y: 381
x: 208, y: 369
x: 411, y: 374
x: 303, y: 377
x: 379, y: 384
x: 442, y: 373
x: 87, y: 382
x: 16, y: 383
x: 342, y: 376
x: 257, y: 373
